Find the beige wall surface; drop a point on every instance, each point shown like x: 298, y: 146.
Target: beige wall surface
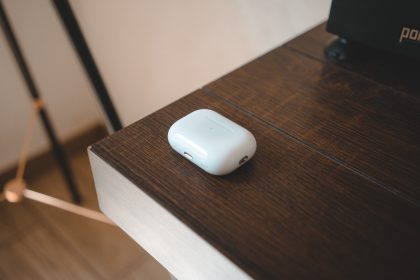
x: 57, y: 72
x: 154, y: 52
x: 150, y: 53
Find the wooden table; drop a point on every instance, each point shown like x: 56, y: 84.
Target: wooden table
x: 333, y: 191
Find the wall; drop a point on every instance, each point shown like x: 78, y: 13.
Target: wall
x: 61, y: 80
x: 153, y: 52
x: 150, y: 53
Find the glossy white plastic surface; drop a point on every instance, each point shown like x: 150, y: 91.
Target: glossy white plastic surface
x: 212, y: 142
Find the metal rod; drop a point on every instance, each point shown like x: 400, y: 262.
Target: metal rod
x: 24, y: 69
x: 72, y: 27
x: 64, y: 205
x: 27, y: 140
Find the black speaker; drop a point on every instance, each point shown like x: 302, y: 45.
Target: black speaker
x: 389, y: 25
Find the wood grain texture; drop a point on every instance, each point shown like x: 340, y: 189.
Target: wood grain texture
x: 14, y: 218
x: 41, y: 255
x: 289, y: 213
x: 150, y: 270
x: 401, y: 74
x: 370, y: 129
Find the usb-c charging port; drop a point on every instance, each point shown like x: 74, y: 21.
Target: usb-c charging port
x: 243, y: 160
x: 188, y: 156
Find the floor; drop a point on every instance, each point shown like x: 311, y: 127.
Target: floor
x: 41, y: 242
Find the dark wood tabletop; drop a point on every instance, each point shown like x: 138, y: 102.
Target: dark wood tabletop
x: 333, y: 191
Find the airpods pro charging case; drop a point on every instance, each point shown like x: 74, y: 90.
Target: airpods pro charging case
x: 212, y: 142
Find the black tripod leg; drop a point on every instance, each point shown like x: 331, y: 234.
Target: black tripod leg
x: 57, y: 148
x: 60, y: 157
x: 74, y: 32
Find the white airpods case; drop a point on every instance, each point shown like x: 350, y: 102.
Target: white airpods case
x: 212, y: 142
